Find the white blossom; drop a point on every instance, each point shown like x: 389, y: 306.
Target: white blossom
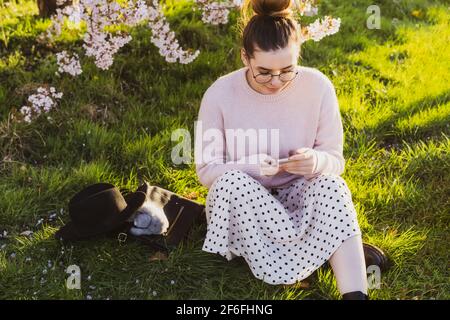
x: 42, y: 101
x: 68, y: 63
x: 73, y: 13
x: 306, y: 7
x: 99, y: 43
x: 322, y: 28
x: 165, y: 39
x: 216, y: 13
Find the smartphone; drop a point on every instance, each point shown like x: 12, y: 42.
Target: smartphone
x: 280, y: 161
x: 284, y: 160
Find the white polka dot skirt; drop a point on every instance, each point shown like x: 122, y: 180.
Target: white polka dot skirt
x: 284, y: 234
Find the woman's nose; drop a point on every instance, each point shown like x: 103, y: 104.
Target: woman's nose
x: 276, y: 82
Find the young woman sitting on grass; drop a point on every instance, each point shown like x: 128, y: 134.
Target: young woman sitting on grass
x: 286, y: 220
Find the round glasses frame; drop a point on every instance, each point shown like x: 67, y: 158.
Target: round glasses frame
x: 284, y: 76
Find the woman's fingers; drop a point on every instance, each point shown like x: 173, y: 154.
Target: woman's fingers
x: 298, y: 151
x: 296, y: 171
x: 302, y: 156
x: 297, y: 167
x: 297, y: 164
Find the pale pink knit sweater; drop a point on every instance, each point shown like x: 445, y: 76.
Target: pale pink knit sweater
x: 306, y: 113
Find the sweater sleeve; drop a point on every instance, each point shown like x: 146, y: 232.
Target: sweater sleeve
x: 329, y: 141
x: 210, y: 145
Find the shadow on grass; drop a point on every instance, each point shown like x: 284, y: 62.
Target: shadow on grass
x: 391, y: 136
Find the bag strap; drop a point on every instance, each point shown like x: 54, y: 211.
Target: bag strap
x: 156, y: 242
x: 173, y: 223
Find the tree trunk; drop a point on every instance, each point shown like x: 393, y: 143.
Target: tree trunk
x: 48, y: 7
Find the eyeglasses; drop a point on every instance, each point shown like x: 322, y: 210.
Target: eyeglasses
x: 267, y: 77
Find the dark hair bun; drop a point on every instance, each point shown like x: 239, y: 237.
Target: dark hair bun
x: 273, y: 8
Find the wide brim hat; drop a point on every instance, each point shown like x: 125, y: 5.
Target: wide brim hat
x: 72, y: 231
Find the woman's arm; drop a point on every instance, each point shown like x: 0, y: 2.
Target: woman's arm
x: 210, y: 145
x: 329, y: 141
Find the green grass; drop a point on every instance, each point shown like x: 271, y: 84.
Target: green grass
x: 116, y: 125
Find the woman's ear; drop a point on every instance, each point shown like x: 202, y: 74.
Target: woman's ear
x: 244, y: 57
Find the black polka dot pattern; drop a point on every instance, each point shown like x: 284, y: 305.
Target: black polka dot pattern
x: 284, y: 236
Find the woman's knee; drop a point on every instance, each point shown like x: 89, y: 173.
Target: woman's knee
x: 224, y: 187
x: 329, y: 182
x: 333, y: 189
x: 233, y: 177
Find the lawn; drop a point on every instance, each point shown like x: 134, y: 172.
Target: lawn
x: 115, y: 126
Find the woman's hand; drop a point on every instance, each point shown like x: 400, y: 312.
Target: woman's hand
x: 304, y: 162
x: 269, y: 167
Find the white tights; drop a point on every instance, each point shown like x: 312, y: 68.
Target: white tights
x: 349, y: 266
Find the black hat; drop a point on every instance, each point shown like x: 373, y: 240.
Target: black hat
x: 99, y: 209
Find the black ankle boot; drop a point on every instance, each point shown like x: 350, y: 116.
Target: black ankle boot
x: 355, y: 295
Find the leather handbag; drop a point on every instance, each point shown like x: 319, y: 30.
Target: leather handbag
x: 181, y: 214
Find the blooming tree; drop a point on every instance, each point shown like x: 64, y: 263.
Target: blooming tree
x: 101, y: 16
x: 105, y: 36
x: 102, y: 44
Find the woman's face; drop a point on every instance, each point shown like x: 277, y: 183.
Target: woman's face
x: 274, y: 62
